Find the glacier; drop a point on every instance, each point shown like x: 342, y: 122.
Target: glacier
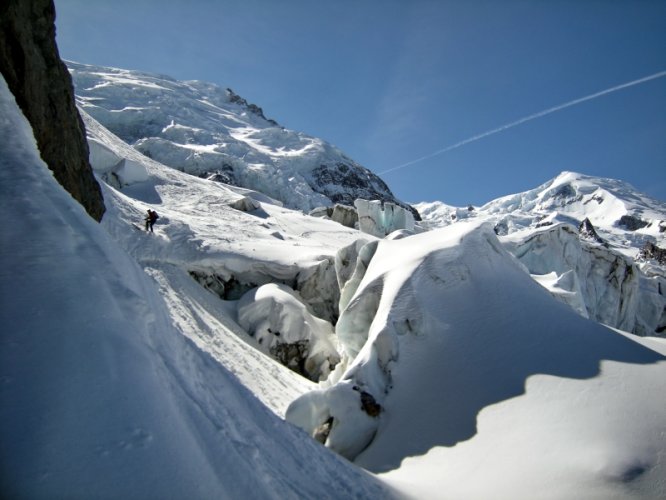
x: 454, y: 336
x: 381, y: 219
x: 202, y: 129
x: 102, y: 395
x: 153, y: 365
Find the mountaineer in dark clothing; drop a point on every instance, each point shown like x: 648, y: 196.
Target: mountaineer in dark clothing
x: 150, y: 219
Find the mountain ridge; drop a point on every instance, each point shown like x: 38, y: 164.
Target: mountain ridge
x: 626, y: 218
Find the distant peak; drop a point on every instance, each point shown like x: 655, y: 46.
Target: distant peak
x: 253, y: 108
x: 569, y: 175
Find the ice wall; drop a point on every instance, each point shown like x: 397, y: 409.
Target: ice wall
x: 116, y: 171
x: 380, y: 219
x: 598, y: 282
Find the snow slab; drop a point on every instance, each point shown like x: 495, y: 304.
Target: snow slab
x: 100, y: 395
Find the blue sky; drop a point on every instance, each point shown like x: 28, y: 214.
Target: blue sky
x: 391, y: 81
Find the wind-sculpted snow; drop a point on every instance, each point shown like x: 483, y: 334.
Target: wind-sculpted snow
x: 457, y: 327
x: 207, y: 131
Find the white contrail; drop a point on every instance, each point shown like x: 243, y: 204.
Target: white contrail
x: 527, y: 119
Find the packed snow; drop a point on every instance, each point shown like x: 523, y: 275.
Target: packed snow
x: 459, y: 362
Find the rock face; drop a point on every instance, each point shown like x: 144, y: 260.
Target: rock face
x: 586, y: 231
x: 345, y: 182
x: 41, y: 84
x: 650, y: 251
x: 631, y: 223
x: 252, y: 108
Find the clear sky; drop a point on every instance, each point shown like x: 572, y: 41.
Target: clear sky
x: 393, y: 81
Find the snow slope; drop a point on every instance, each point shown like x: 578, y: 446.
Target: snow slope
x: 202, y: 129
x: 495, y: 389
x: 102, y: 396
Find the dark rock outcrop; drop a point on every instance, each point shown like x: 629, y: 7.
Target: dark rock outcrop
x: 631, y: 223
x: 344, y: 184
x: 586, y: 231
x: 225, y: 174
x: 652, y: 252
x: 369, y: 405
x: 293, y: 355
x: 42, y: 86
x: 252, y: 108
x: 501, y: 228
x: 321, y: 433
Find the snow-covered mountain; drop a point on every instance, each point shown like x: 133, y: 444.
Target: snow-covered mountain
x: 593, y: 242
x: 202, y: 129
x: 174, y: 364
x: 619, y: 214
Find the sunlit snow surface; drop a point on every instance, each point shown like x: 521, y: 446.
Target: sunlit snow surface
x: 123, y: 377
x: 581, y: 238
x: 502, y: 391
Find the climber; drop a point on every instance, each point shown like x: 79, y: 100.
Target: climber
x: 150, y: 219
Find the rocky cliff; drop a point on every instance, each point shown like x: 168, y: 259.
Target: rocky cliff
x: 40, y: 82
